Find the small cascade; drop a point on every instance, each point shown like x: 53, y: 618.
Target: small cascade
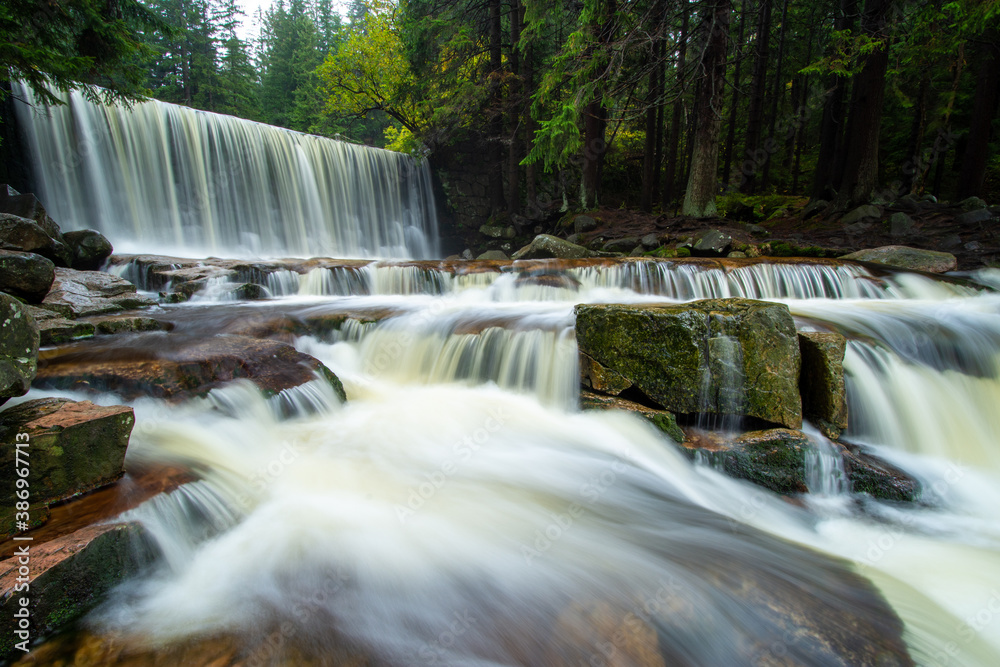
x: 165, y: 178
x: 825, y: 474
x: 721, y: 395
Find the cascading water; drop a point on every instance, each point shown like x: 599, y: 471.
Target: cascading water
x: 164, y: 178
x: 459, y: 509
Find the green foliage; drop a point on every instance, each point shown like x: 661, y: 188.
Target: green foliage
x: 753, y: 208
x: 92, y: 45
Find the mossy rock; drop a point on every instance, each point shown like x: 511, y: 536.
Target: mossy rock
x: 19, y: 341
x: 663, y: 420
x: 821, y: 381
x: 734, y: 357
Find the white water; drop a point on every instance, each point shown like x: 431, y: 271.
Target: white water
x: 459, y: 479
x: 168, y: 179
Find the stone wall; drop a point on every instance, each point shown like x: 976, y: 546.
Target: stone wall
x: 463, y: 177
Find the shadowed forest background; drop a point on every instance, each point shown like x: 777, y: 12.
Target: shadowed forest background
x: 579, y: 104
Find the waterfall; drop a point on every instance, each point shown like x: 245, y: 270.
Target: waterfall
x: 169, y: 179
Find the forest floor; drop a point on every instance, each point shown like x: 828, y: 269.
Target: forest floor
x: 934, y: 226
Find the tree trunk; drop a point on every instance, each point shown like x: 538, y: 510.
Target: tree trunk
x: 734, y: 105
x: 861, y: 160
x: 670, y: 177
x: 654, y: 106
x: 595, y: 116
x: 757, y: 86
x: 516, y: 108
x: 699, y: 199
x: 495, y: 125
x: 530, y: 171
x: 771, y: 146
x: 832, y: 125
x: 984, y: 110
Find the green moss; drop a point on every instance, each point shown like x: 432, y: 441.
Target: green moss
x: 683, y: 252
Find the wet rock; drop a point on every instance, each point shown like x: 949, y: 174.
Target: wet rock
x: 24, y: 235
x: 815, y: 207
x: 498, y: 231
x: 19, y: 341
x: 773, y: 458
x: 877, y: 478
x: 711, y: 243
x: 245, y: 292
x: 75, y: 447
x: 731, y: 357
x: 604, y: 380
x: 907, y: 258
x: 59, y: 330
x: 821, y: 381
x: 90, y: 249
x: 974, y: 217
x: 28, y: 206
x: 971, y: 204
x: 69, y: 576
x: 467, y: 254
x: 650, y: 241
x: 901, y: 225
x: 81, y: 293
x: 545, y: 246
x: 622, y: 245
x: 736, y: 254
x: 583, y: 224
x: 26, y: 274
x: 547, y: 278
x: 117, y: 324
x: 861, y: 213
x: 662, y: 419
x: 178, y: 366
x: 493, y: 255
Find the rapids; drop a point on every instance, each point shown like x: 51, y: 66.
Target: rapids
x: 460, y: 509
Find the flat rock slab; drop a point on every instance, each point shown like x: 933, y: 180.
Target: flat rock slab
x: 69, y: 576
x: 905, y: 257
x: 728, y: 357
x: 661, y: 419
x: 177, y: 366
x: 81, y: 293
x: 73, y: 447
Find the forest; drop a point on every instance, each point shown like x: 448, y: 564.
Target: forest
x: 652, y: 104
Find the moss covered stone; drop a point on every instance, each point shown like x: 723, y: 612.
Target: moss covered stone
x: 821, y: 381
x: 18, y: 348
x: 70, y: 576
x: 661, y: 419
x: 734, y: 357
x: 74, y: 447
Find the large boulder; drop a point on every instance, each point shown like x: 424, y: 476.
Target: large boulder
x: 18, y: 348
x: 178, y: 366
x: 73, y: 447
x: 861, y: 213
x: 729, y: 357
x: 905, y: 257
x: 545, y: 246
x: 90, y: 249
x: 28, y: 206
x: 711, y: 243
x: 82, y: 293
x: 69, y: 577
x: 821, y: 381
x: 26, y: 274
x: 24, y: 235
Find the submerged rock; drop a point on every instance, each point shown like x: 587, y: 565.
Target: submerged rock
x: 905, y: 257
x: 774, y: 458
x: 19, y: 341
x: 179, y: 366
x: 69, y: 577
x: 732, y: 357
x: 74, y: 447
x: 26, y: 274
x: 821, y: 381
x: 546, y: 246
x: 877, y: 478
